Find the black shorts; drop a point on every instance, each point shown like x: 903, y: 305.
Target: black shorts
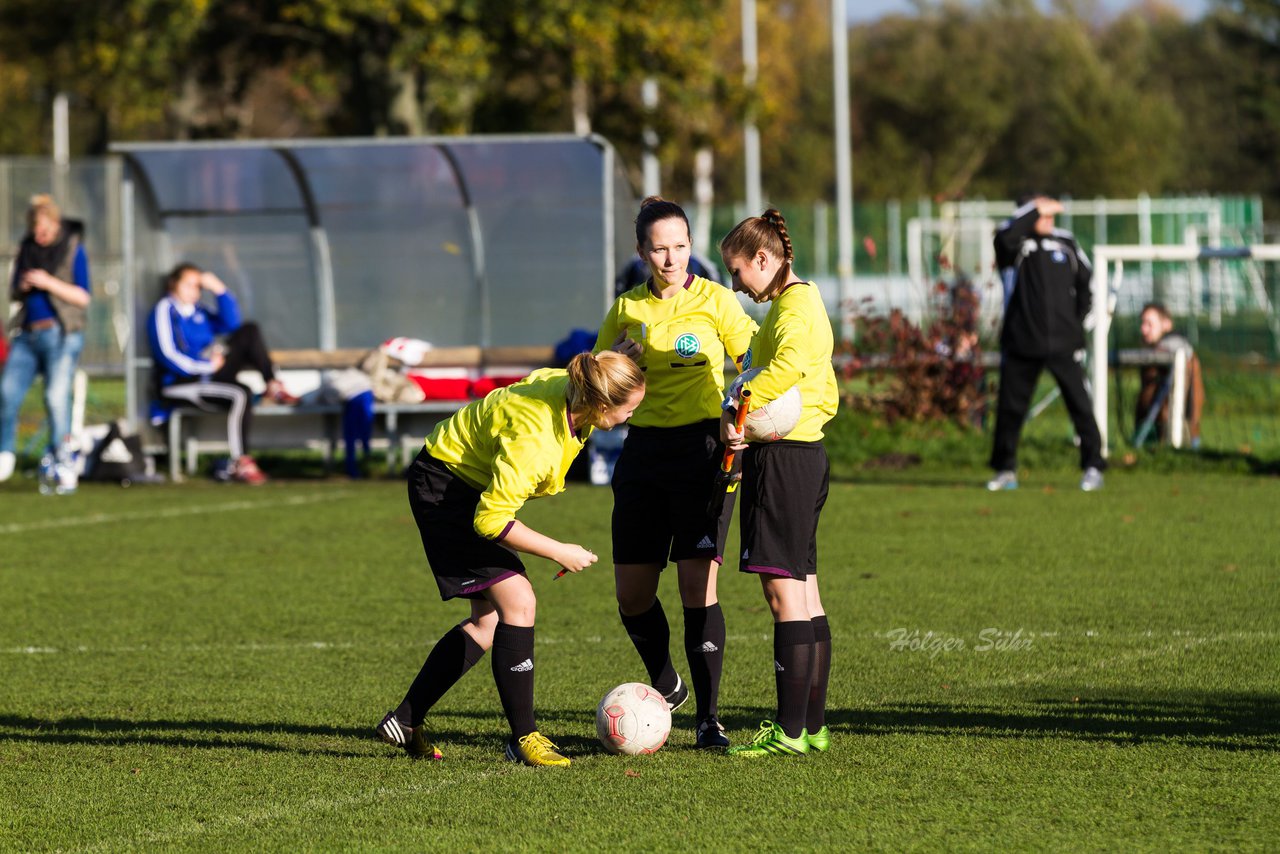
x: 784, y: 485
x: 464, y: 563
x: 662, y: 485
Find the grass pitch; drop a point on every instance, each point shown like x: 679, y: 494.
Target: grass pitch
x: 199, y: 667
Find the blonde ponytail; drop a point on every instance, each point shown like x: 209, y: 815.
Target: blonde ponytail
x: 599, y: 382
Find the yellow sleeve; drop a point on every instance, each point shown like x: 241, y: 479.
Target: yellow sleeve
x: 608, y: 328
x: 787, y: 367
x: 736, y: 327
x: 516, y: 474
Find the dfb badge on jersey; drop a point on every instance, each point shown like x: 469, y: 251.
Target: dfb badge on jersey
x: 687, y: 345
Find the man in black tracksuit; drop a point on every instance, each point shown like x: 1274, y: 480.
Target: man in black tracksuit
x: 1046, y: 277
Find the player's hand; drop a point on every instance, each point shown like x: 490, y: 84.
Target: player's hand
x: 628, y: 347
x: 574, y: 558
x: 217, y: 359
x: 733, y: 438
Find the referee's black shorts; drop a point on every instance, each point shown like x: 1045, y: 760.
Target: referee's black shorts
x: 662, y: 486
x: 784, y: 485
x: 444, y: 506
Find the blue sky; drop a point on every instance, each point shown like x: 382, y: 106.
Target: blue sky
x: 865, y: 10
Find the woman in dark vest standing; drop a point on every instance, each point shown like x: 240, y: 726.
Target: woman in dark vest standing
x: 46, y: 335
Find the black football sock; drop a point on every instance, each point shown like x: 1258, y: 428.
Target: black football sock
x: 512, y: 662
x: 817, y: 713
x: 652, y: 637
x: 451, y: 657
x: 793, y: 666
x: 704, y: 646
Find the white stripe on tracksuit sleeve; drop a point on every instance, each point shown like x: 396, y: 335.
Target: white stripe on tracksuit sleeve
x: 169, y: 347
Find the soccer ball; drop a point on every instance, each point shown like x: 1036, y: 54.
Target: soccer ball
x: 772, y: 421
x: 633, y: 719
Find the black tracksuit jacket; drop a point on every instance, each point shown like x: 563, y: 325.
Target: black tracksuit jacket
x: 1050, y: 279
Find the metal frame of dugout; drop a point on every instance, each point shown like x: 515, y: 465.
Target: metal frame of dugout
x: 331, y: 244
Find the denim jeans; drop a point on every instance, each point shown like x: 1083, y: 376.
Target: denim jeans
x: 54, y: 355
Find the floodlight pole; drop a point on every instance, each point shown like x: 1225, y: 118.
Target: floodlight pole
x: 751, y: 134
x: 650, y: 166
x: 61, y: 147
x: 844, y: 166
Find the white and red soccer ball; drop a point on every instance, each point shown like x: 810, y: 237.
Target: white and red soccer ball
x: 633, y: 719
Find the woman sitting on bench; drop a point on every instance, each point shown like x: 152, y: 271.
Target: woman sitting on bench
x: 194, y: 368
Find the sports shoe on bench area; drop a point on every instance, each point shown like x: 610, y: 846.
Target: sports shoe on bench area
x: 277, y: 393
x: 537, y: 750
x: 247, y: 471
x: 770, y: 740
x: 711, y: 733
x: 412, y: 739
x: 678, y: 694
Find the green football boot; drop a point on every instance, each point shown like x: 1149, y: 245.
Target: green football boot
x: 820, y: 740
x: 770, y: 740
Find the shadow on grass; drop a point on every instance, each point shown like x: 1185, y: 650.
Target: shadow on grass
x: 1246, y: 722
x: 449, y: 727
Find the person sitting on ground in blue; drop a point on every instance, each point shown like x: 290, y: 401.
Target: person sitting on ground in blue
x: 51, y: 284
x: 194, y: 368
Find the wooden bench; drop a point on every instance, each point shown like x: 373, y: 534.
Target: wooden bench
x: 399, y: 427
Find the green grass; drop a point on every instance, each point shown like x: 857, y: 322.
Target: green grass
x: 199, y: 667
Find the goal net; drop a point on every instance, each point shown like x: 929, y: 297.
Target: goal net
x: 1224, y: 305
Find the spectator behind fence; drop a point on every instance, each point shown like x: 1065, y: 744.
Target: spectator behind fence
x: 194, y: 368
x: 1046, y: 277
x: 1157, y: 380
x: 51, y: 285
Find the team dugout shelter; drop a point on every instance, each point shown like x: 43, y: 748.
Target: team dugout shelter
x: 488, y: 241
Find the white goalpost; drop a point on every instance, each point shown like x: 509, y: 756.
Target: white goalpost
x: 1108, y: 277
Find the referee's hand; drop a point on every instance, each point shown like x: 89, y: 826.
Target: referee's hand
x: 574, y: 558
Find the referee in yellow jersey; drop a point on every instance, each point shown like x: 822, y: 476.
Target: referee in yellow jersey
x: 477, y: 470
x: 784, y: 483
x: 679, y: 328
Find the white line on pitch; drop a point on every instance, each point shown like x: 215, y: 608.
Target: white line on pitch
x: 165, y: 513
x: 190, y: 649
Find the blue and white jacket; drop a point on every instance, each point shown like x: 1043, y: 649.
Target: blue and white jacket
x: 181, y: 335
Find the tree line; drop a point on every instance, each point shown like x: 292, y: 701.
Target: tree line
x: 958, y: 99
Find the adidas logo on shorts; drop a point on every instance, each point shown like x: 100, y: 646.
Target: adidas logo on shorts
x: 708, y: 647
x: 706, y: 543
x: 523, y: 667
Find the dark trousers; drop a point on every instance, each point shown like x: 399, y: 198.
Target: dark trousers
x: 245, y: 351
x: 1018, y: 376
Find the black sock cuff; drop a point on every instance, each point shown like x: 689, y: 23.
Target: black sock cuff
x: 702, y: 613
x: 472, y: 652
x: 821, y: 629
x: 508, y: 636
x: 655, y: 612
x: 793, y: 632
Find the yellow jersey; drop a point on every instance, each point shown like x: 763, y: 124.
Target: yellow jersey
x: 793, y: 347
x: 684, y: 340
x: 513, y: 445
